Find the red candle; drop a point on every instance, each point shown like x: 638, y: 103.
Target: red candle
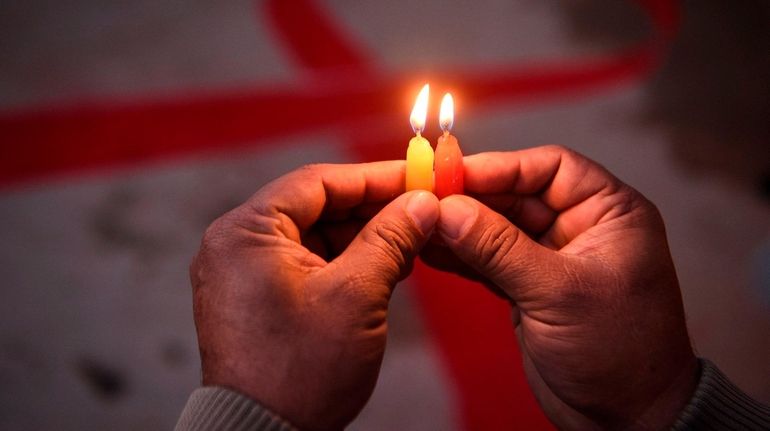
x: 449, y: 159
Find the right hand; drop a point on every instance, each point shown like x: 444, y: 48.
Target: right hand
x: 584, y: 260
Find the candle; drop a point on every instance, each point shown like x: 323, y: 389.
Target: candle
x: 449, y: 158
x: 419, y: 155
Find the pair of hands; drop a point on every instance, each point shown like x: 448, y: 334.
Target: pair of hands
x: 291, y: 289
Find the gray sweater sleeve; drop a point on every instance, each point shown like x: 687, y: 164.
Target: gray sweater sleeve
x: 719, y: 405
x: 216, y: 408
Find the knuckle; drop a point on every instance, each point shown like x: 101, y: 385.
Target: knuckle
x: 213, y: 243
x: 564, y: 152
x: 571, y: 157
x: 310, y: 168
x: 627, y: 199
x: 639, y: 210
x: 214, y: 233
x: 558, y: 148
x: 494, y: 245
x: 313, y: 169
x: 311, y: 172
x: 393, y: 240
x: 647, y: 207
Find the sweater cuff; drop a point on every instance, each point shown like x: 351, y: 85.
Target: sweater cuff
x: 217, y: 408
x: 719, y: 404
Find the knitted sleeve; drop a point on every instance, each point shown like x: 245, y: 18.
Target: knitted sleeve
x: 216, y: 408
x: 719, y: 405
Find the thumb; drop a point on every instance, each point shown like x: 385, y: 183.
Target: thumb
x: 498, y: 250
x: 385, y: 248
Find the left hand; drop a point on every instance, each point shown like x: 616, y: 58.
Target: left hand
x: 583, y: 259
x: 291, y: 289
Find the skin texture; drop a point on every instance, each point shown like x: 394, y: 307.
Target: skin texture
x: 584, y: 261
x: 291, y: 289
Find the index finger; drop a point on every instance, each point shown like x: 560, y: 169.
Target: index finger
x: 579, y: 192
x: 561, y: 177
x: 301, y: 196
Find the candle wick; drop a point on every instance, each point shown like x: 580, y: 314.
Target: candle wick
x: 419, y: 135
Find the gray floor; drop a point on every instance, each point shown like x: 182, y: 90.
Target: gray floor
x: 97, y: 330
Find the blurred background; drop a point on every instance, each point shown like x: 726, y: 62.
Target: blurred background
x: 127, y: 127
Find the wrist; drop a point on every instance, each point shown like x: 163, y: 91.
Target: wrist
x: 663, y: 411
x: 297, y: 400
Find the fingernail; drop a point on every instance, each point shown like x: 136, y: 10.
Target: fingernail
x: 457, y: 217
x: 423, y: 210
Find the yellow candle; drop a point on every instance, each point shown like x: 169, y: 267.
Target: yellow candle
x: 419, y: 155
x: 419, y: 165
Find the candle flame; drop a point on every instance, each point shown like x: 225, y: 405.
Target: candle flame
x: 420, y: 110
x: 446, y: 116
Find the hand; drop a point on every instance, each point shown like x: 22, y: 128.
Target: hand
x: 291, y: 289
x: 583, y: 259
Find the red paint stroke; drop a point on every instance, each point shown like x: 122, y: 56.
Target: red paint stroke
x: 474, y: 333
x: 45, y: 142
x: 470, y: 327
x: 314, y: 38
